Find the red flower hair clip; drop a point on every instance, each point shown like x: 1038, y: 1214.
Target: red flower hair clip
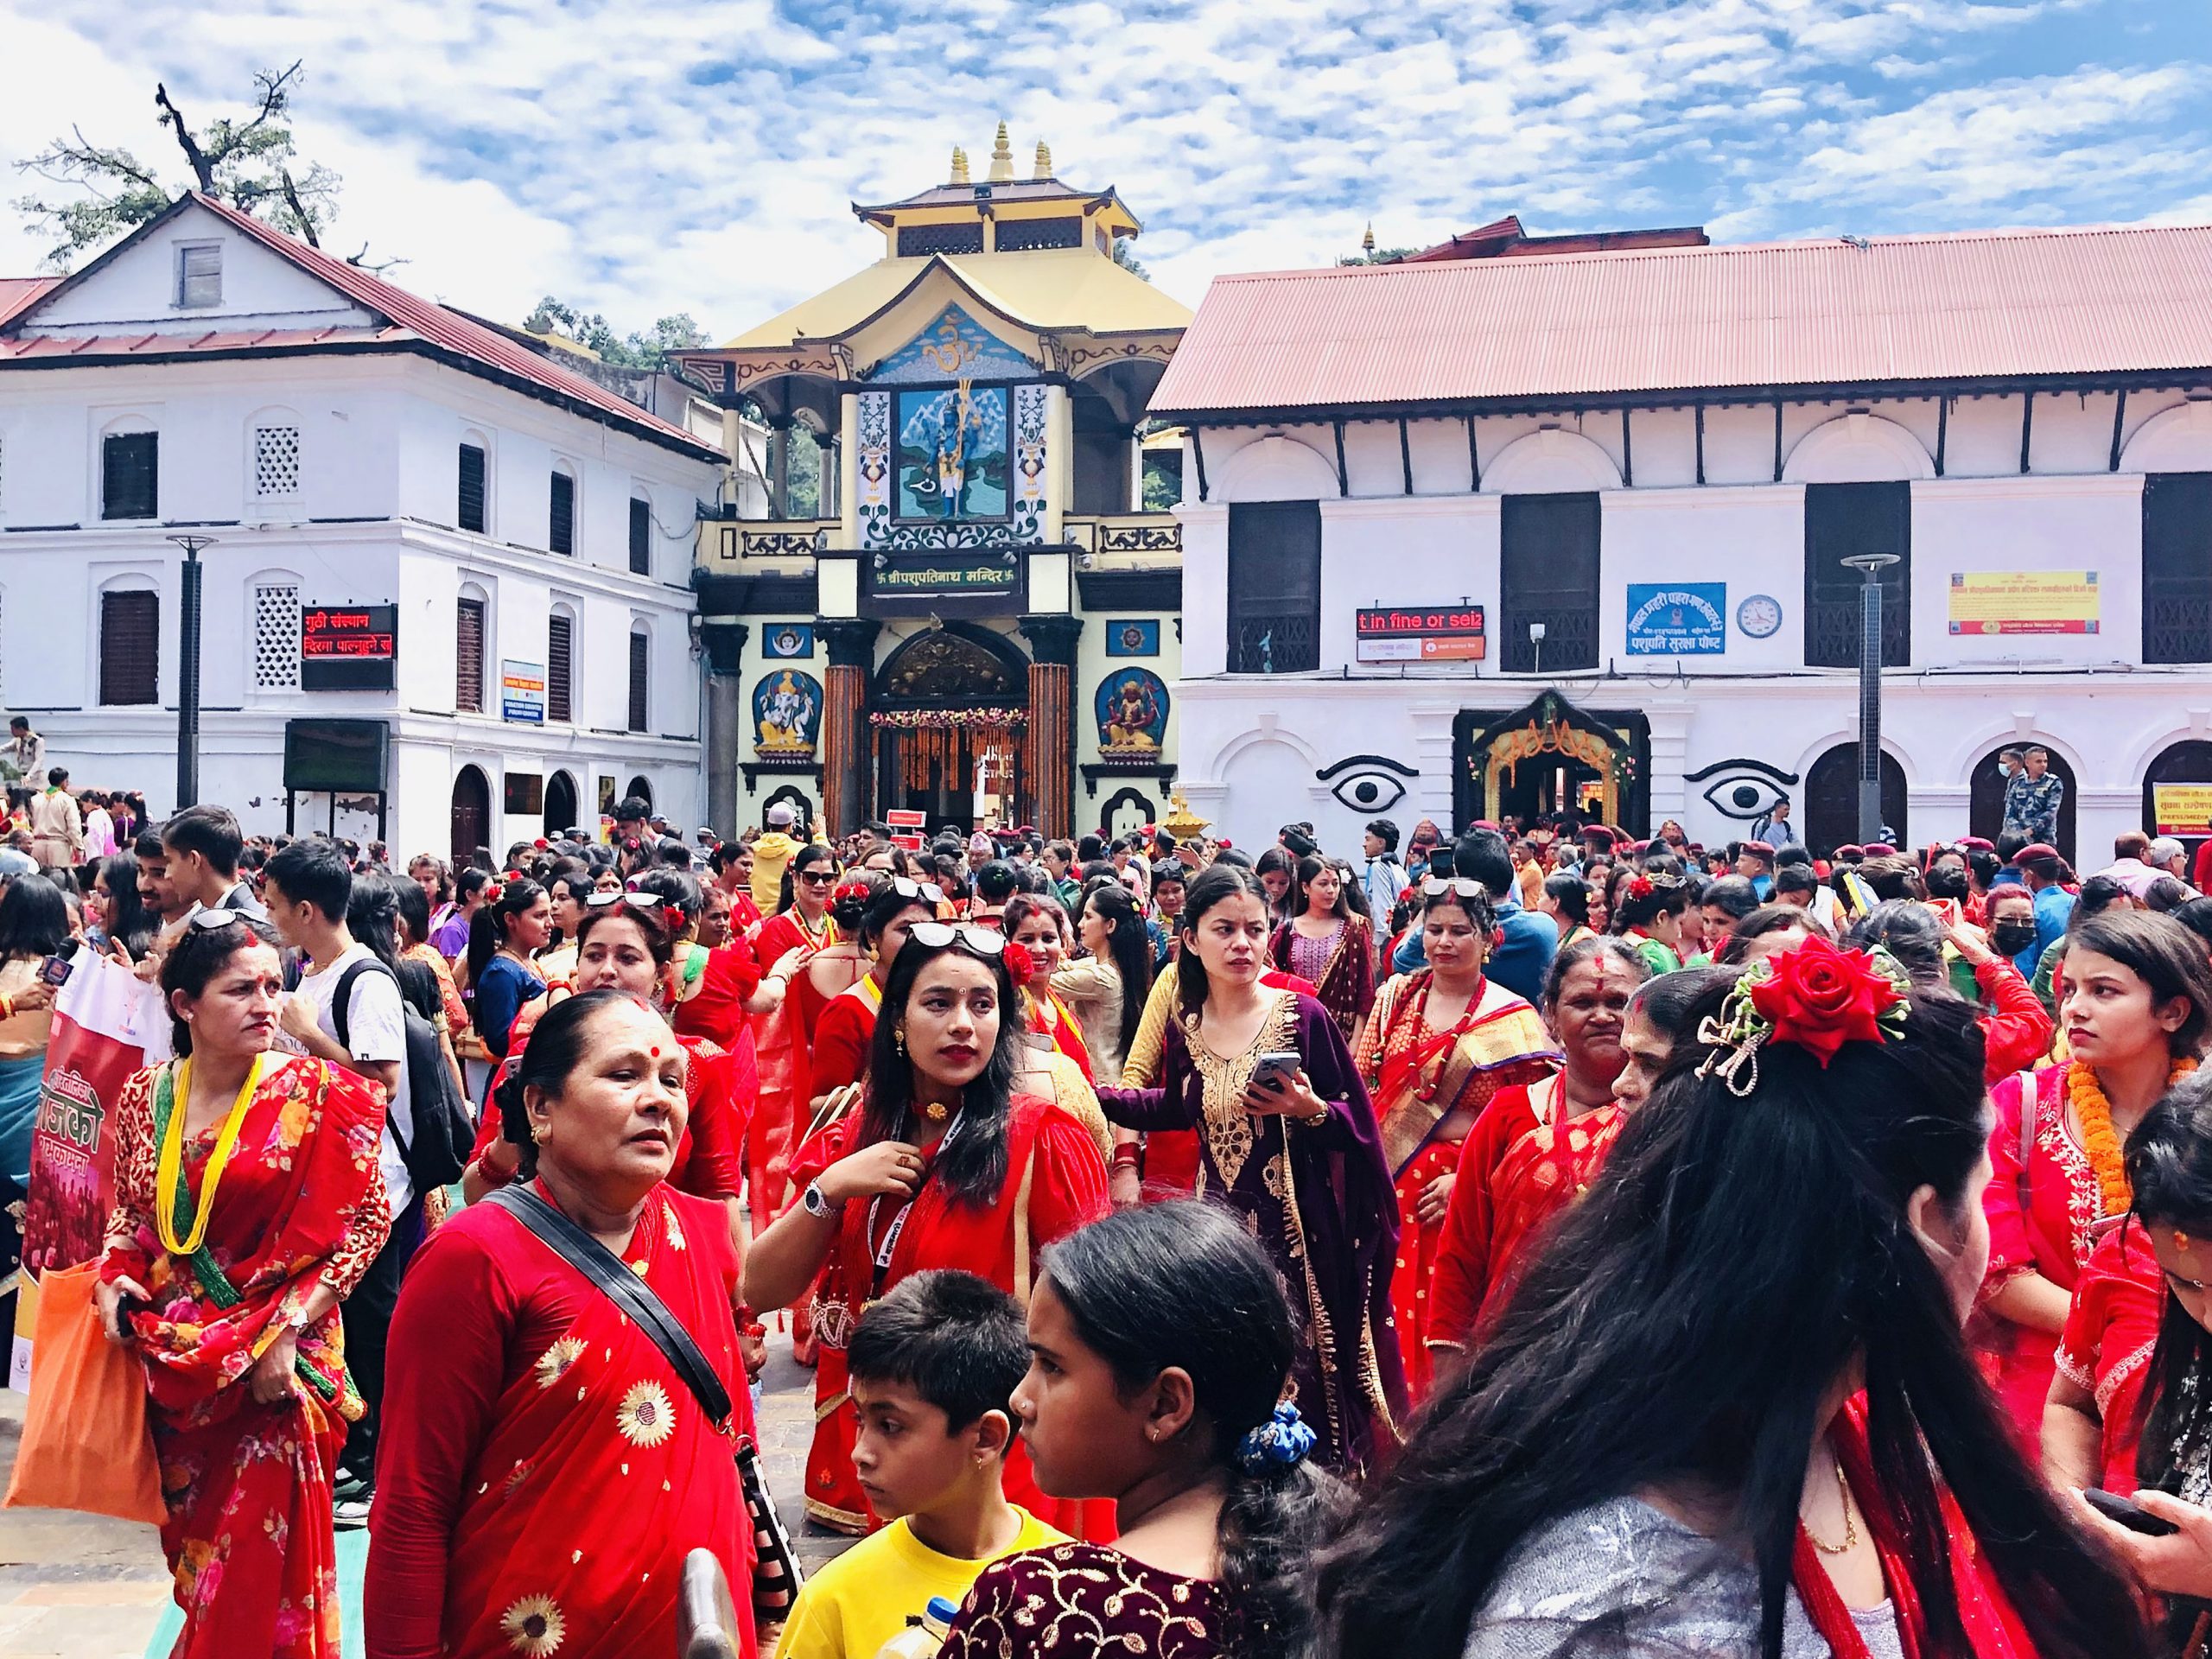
x: 1639, y: 886
x: 852, y: 890
x: 1815, y: 996
x: 1019, y: 962
x: 494, y: 891
x: 673, y: 918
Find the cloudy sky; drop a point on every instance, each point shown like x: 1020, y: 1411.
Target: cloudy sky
x: 701, y: 156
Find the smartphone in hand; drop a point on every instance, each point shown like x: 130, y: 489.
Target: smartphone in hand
x: 1272, y: 1070
x: 2128, y: 1513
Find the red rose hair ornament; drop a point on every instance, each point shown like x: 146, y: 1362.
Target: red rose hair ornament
x: 1019, y: 962
x: 1815, y: 996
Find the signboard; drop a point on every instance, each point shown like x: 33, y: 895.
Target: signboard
x: 1687, y: 619
x: 901, y: 817
x: 348, y: 647
x: 1448, y: 634
x: 522, y: 692
x: 911, y: 843
x: 2182, y: 809
x: 2023, y: 602
x: 948, y: 573
x: 328, y: 756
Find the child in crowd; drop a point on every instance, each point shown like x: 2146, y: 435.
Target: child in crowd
x: 931, y: 1367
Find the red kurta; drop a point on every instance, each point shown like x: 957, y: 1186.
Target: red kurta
x: 1541, y: 1173
x: 780, y: 1041
x: 842, y: 1038
x: 2045, y: 1214
x: 543, y: 1469
x: 2111, y: 1329
x: 1052, y: 1168
x: 715, y: 1008
x: 301, y: 1203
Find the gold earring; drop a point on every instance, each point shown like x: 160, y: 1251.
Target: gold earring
x: 899, y: 1039
x: 2181, y: 1239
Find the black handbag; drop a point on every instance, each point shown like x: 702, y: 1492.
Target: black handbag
x: 776, y: 1576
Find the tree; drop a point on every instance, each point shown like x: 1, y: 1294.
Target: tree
x: 1127, y: 260
x: 647, y: 350
x: 1376, y: 257
x: 248, y: 163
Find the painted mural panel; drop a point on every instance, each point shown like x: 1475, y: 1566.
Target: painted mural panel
x: 1132, y: 707
x: 952, y: 452
x: 954, y: 348
x: 872, y: 463
x: 1029, y: 406
x: 786, y: 715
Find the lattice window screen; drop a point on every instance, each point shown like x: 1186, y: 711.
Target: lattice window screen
x: 276, y: 460
x: 276, y: 638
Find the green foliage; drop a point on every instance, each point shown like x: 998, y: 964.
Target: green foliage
x: 803, y: 476
x: 647, y: 350
x: 247, y: 162
x: 1127, y: 260
x: 1380, y: 257
x: 1163, y: 481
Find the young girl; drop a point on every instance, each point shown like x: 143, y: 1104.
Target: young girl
x: 1161, y: 1344
x: 1648, y: 913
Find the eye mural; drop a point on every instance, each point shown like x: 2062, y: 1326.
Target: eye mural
x: 1368, y: 783
x: 1742, y: 789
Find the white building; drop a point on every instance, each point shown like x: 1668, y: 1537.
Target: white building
x: 347, y: 446
x: 1657, y: 452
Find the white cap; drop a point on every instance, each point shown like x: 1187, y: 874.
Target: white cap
x: 781, y: 815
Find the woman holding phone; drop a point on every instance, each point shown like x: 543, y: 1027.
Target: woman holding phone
x: 1286, y: 1137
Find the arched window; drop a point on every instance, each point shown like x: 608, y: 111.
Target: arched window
x: 1986, y: 795
x: 2187, y: 762
x: 472, y: 814
x: 130, y: 643
x: 561, y: 667
x: 473, y: 510
x: 560, y: 803
x: 472, y: 624
x: 1832, y: 800
x: 561, y: 511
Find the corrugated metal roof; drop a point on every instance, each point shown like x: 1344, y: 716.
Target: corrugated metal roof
x: 16, y: 292
x: 1969, y: 306
x: 33, y: 348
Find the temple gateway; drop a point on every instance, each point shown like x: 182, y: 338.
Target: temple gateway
x: 983, y: 625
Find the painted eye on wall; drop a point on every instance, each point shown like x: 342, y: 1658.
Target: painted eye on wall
x: 1368, y: 783
x: 1742, y: 788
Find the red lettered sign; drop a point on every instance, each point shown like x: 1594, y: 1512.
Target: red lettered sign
x: 1417, y: 634
x: 348, y: 647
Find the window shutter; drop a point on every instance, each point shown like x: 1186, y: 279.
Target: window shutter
x: 641, y: 538
x: 2177, y: 568
x: 276, y: 638
x: 469, y: 656
x: 1548, y: 573
x: 641, y: 674
x: 199, y: 275
x: 561, y: 533
x: 1842, y: 520
x: 130, y: 638
x: 276, y: 460
x: 1274, y: 587
x: 130, y: 474
x: 560, y: 636
x: 472, y: 488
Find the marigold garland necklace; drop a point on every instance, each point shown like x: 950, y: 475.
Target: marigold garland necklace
x: 2099, y: 1140
x: 168, y: 1169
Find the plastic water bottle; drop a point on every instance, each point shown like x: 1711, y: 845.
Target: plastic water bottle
x: 924, y: 1636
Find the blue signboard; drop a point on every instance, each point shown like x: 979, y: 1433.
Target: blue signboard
x: 1686, y: 620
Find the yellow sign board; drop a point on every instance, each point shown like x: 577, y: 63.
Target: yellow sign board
x: 2182, y: 809
x: 2023, y: 602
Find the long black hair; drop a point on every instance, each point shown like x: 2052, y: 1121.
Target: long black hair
x: 813, y: 853
x: 1181, y: 1285
x: 1572, y: 894
x: 488, y: 931
x: 34, y: 918
x: 373, y: 913
x: 972, y: 1154
x: 1131, y: 949
x: 1209, y: 888
x: 1911, y: 932
x: 134, y: 926
x: 557, y: 1048
x: 1760, y: 1241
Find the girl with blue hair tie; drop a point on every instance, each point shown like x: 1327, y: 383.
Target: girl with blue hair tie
x: 1161, y: 1344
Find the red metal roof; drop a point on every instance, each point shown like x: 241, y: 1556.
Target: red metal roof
x: 410, y: 319
x: 16, y: 292
x: 1976, y: 305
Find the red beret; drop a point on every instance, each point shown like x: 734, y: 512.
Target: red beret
x: 2035, y: 850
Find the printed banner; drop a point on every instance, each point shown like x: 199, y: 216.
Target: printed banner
x: 2182, y: 809
x: 1687, y: 619
x: 2023, y: 602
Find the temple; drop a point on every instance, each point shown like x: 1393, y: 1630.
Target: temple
x: 983, y: 624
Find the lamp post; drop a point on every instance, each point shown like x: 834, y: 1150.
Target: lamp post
x: 187, y: 672
x: 1536, y: 646
x: 1871, y: 566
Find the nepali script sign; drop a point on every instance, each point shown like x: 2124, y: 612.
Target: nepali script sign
x: 1687, y: 619
x: 2023, y: 602
x: 2182, y: 809
x: 1449, y: 634
x: 348, y: 647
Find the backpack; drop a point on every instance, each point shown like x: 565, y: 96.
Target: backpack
x: 445, y: 1133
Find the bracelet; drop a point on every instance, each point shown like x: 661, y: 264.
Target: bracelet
x: 1316, y: 1120
x: 1127, y: 1157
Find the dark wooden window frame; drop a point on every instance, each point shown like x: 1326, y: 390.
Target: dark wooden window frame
x: 472, y: 508
x: 1550, y: 558
x: 1842, y: 520
x: 131, y: 648
x: 470, y: 616
x: 2177, y: 568
x: 641, y: 537
x: 560, y: 667
x: 130, y: 475
x: 560, y: 515
x: 641, y: 668
x: 1274, y: 587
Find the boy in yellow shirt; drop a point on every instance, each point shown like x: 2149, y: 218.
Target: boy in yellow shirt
x: 931, y: 1368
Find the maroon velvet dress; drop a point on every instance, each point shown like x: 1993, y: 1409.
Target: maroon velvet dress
x: 1078, y: 1600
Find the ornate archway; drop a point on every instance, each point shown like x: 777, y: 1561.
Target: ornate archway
x: 1551, y: 757
x: 949, y: 707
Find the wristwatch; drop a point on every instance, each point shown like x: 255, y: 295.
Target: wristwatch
x: 817, y: 1203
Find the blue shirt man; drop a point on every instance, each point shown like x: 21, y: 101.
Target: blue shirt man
x: 1523, y: 960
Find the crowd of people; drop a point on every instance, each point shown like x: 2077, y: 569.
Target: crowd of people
x: 1532, y: 1242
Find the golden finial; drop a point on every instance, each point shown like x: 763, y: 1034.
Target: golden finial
x: 1367, y: 242
x: 959, y: 165
x: 1044, y: 160
x: 1001, y: 159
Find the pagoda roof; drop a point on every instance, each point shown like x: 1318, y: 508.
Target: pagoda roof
x: 990, y: 194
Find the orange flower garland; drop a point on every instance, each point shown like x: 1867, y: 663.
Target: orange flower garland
x: 2099, y: 1139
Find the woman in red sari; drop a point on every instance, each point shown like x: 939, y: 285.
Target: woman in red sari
x: 248, y: 1203
x: 545, y: 1469
x: 941, y: 1166
x: 782, y: 1037
x: 1444, y: 1044
x: 847, y: 1028
x: 1040, y: 926
x: 2139, y: 1001
x: 1729, y: 1409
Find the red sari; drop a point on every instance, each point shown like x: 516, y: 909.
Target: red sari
x: 1421, y: 1079
x: 300, y: 1202
x: 2111, y: 1329
x: 545, y: 1469
x: 1540, y: 1174
x: 781, y: 1040
x: 842, y: 1038
x: 1054, y: 1177
x: 2046, y: 1213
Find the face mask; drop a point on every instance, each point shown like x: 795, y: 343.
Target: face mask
x: 2012, y: 937
x: 1944, y: 883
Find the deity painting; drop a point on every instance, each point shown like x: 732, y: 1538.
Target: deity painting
x: 952, y: 452
x: 786, y: 715
x: 1131, y: 706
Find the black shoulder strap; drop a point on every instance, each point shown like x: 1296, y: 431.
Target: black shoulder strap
x: 341, y: 999
x: 623, y: 1288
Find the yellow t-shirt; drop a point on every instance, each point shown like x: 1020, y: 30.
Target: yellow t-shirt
x: 860, y: 1601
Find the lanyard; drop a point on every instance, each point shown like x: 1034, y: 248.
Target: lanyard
x: 883, y: 1253
x: 169, y: 1174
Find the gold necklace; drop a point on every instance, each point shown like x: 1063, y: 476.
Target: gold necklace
x: 1850, y: 1528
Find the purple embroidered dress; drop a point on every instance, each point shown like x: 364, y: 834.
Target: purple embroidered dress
x: 1317, y: 1197
x: 1075, y: 1600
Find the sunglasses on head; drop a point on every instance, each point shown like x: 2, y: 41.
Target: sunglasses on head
x: 906, y: 889
x: 1464, y: 887
x: 217, y: 917
x: 982, y: 940
x: 650, y: 902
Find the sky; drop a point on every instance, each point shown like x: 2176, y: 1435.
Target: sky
x: 702, y: 156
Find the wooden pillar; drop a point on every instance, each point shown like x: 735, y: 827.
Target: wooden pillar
x: 847, y: 753
x: 1049, y: 749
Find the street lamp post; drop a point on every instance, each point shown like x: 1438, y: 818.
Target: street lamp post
x: 188, y: 670
x: 1871, y: 566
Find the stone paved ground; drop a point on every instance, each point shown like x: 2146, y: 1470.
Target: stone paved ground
x: 75, y: 1587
